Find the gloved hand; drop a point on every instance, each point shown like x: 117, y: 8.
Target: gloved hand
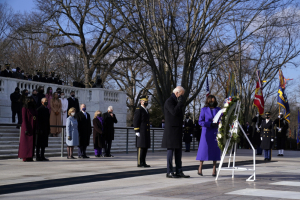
x: 261, y: 138
x: 257, y: 130
x: 138, y: 134
x: 69, y: 138
x: 272, y: 140
x: 214, y: 125
x: 279, y: 129
x: 181, y: 99
x: 191, y: 135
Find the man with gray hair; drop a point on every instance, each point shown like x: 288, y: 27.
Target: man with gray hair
x: 172, y: 137
x: 109, y: 119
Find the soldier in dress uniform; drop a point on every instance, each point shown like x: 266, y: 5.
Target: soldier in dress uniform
x: 282, y: 126
x: 142, y: 131
x: 256, y: 136
x: 267, y: 136
x: 187, y: 132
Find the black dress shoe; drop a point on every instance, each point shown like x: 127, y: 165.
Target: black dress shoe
x: 279, y: 155
x: 39, y: 159
x: 72, y: 157
x: 145, y: 165
x: 214, y: 175
x: 181, y: 175
x: 172, y: 175
x: 81, y: 157
x: 97, y: 156
x: 85, y: 157
x: 45, y: 159
x: 110, y: 156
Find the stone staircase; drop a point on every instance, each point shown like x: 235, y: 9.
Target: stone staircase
x: 9, y: 143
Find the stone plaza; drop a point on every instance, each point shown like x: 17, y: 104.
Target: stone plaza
x: 119, y: 178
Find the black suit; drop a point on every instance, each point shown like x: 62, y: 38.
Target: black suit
x: 73, y: 103
x: 16, y: 106
x: 141, y: 125
x: 84, y: 132
x: 172, y: 137
x: 6, y: 73
x: 281, y: 135
x: 43, y: 130
x: 37, y: 78
x: 109, y: 131
x: 40, y: 96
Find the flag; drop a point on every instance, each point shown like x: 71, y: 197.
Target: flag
x: 282, y: 98
x: 259, y: 102
x: 207, y: 87
x: 258, y: 77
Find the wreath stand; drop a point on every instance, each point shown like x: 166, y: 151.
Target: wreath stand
x: 233, y: 168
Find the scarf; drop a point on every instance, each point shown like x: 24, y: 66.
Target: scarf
x: 101, y: 121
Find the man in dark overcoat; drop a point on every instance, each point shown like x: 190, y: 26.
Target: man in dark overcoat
x: 73, y: 102
x: 172, y: 137
x: 6, y: 73
x: 267, y: 136
x: 256, y: 133
x: 40, y: 96
x: 187, y: 132
x: 84, y: 131
x: 109, y: 119
x: 249, y: 131
x: 16, y: 106
x: 282, y: 127
x: 43, y: 130
x: 142, y: 130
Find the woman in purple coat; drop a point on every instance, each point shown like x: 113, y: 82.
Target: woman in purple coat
x: 28, y: 130
x: 208, y: 147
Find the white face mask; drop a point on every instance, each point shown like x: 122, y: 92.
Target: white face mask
x: 72, y: 114
x: 62, y: 96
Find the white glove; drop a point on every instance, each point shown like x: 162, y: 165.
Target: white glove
x: 279, y: 129
x: 272, y: 140
x: 261, y: 138
x: 191, y: 135
x: 183, y: 125
x: 138, y: 134
x: 257, y: 130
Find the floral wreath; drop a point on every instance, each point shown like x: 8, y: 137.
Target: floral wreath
x: 228, y: 120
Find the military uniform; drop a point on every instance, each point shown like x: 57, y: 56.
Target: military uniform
x: 187, y: 134
x: 142, y: 126
x: 282, y: 126
x: 267, y: 136
x: 256, y: 135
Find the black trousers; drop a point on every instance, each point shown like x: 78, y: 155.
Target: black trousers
x: 38, y: 149
x: 107, y: 147
x: 82, y: 150
x: 141, y: 156
x: 178, y: 154
x: 19, y: 113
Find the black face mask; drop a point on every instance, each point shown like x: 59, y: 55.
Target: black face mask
x: 211, y: 104
x: 146, y: 104
x: 18, y: 91
x: 45, y: 103
x: 268, y: 116
x: 99, y: 115
x: 187, y: 116
x: 26, y: 94
x: 7, y: 68
x: 34, y: 94
x: 41, y: 91
x: 73, y: 95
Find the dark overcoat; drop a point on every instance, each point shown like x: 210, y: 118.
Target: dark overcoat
x: 27, y: 141
x: 188, y: 131
x: 256, y: 133
x: 97, y: 134
x: 267, y: 133
x: 141, y: 124
x: 281, y: 135
x: 172, y: 137
x: 249, y: 131
x: 36, y: 78
x: 15, y: 102
x: 108, y: 123
x: 73, y: 103
x: 6, y: 73
x: 84, y: 128
x: 40, y: 96
x: 43, y: 126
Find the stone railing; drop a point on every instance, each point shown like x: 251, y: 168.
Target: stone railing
x: 94, y: 98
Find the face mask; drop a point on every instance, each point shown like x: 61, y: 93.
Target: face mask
x: 73, y: 95
x: 83, y: 109
x: 146, y: 104
x: 187, y: 116
x: 50, y: 91
x: 34, y: 94
x: 26, y: 94
x: 17, y: 91
x: 109, y: 112
x: 99, y: 115
x: 7, y: 68
x: 62, y: 96
x: 72, y: 114
x: 41, y: 91
x: 211, y: 104
x: 268, y: 116
x: 22, y: 73
x: 45, y: 103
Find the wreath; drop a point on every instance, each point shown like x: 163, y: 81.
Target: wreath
x: 228, y: 120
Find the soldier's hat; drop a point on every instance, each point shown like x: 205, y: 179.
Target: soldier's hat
x: 268, y: 113
x: 144, y: 98
x: 7, y: 64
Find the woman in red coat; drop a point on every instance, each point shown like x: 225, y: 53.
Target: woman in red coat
x: 28, y: 131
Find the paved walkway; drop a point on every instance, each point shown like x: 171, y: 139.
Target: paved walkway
x: 119, y: 178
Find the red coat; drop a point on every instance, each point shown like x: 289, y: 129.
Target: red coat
x: 29, y: 124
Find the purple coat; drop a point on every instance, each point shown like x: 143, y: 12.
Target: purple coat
x: 208, y: 146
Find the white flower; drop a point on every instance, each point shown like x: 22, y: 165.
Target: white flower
x: 226, y: 105
x: 219, y: 135
x: 220, y: 125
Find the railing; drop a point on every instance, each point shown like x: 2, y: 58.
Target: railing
x: 63, y: 135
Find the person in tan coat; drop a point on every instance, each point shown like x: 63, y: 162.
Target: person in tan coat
x: 55, y: 115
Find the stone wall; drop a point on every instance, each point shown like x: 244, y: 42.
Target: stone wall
x: 94, y: 98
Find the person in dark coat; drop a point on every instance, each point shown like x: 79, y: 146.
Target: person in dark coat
x: 256, y: 135
x: 73, y: 102
x: 97, y: 133
x: 267, y: 136
x: 16, y: 106
x: 282, y: 127
x: 6, y: 73
x: 34, y: 96
x: 40, y: 96
x: 172, y: 137
x: 84, y: 131
x: 248, y: 130
x: 28, y: 130
x: 197, y: 131
x: 43, y: 130
x: 142, y: 130
x: 37, y: 77
x: 109, y: 119
x: 187, y: 132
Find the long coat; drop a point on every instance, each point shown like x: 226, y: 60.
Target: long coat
x: 84, y: 128
x: 40, y: 96
x: 172, y: 137
x: 64, y: 110
x: 256, y: 135
x: 72, y: 131
x: 49, y: 97
x: 73, y: 104
x: 141, y: 125
x: 15, y: 102
x: 27, y: 141
x: 43, y: 127
x: 281, y: 135
x: 188, y: 131
x: 108, y: 123
x: 97, y: 134
x: 55, y: 120
x: 267, y: 133
x: 208, y: 146
x: 6, y: 73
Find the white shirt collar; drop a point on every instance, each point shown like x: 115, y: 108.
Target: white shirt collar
x: 145, y: 108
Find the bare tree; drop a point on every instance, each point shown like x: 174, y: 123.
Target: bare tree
x: 6, y: 15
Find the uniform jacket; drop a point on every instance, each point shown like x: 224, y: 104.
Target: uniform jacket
x: 188, y: 130
x: 284, y: 125
x: 84, y: 128
x: 43, y: 126
x: 15, y: 102
x: 37, y: 78
x: 73, y: 103
x: 256, y: 133
x: 267, y: 133
x: 108, y: 123
x: 6, y: 73
x: 141, y: 125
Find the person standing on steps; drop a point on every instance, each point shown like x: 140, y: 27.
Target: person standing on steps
x: 109, y: 119
x: 73, y: 102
